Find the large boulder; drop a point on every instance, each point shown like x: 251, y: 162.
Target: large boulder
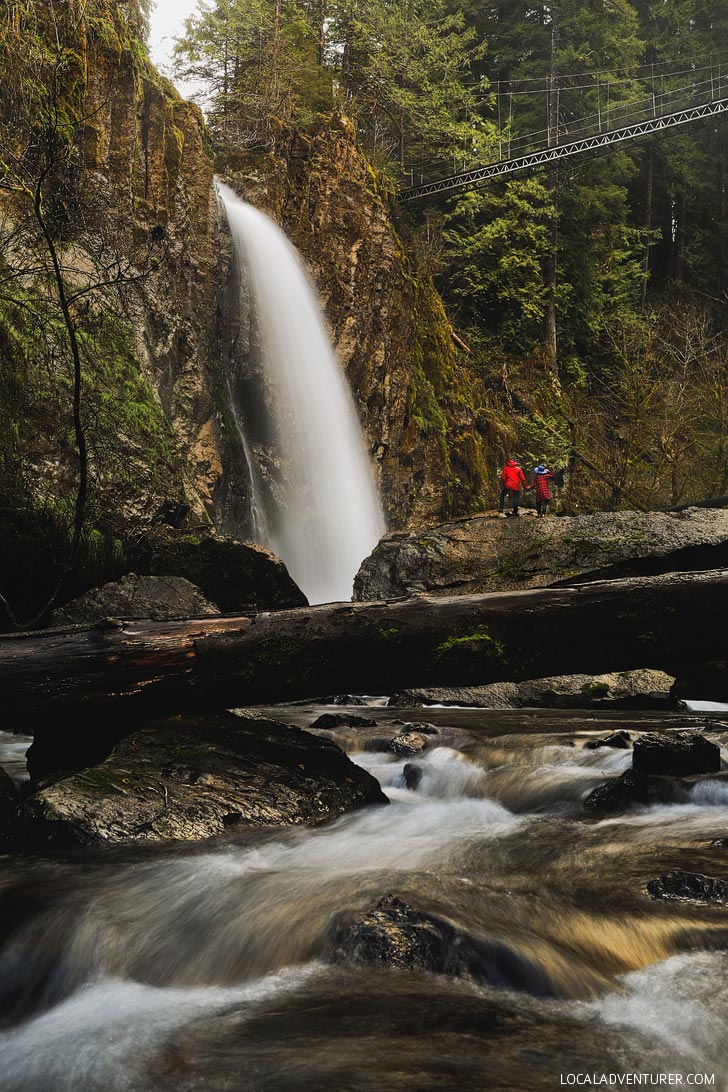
x: 192, y: 777
x: 396, y: 935
x: 679, y: 754
x: 160, y: 598
x: 484, y: 554
x: 640, y: 689
x: 236, y: 576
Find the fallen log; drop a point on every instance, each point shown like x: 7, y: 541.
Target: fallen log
x: 212, y: 663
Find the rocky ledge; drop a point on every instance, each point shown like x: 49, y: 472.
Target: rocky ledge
x: 641, y: 689
x: 486, y: 554
x: 194, y: 777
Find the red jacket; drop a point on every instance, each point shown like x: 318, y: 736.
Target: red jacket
x: 512, y: 475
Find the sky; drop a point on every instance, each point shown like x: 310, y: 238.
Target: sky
x: 167, y: 20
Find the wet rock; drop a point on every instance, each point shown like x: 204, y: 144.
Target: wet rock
x: 689, y: 885
x: 330, y: 721
x: 412, y: 776
x: 638, y: 689
x: 407, y: 744
x: 621, y: 740
x: 679, y: 754
x: 479, y: 554
x: 160, y: 598
x: 422, y: 727
x: 192, y: 777
x: 397, y: 936
x: 633, y: 788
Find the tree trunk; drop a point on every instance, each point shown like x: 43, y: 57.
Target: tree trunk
x: 647, y: 224
x: 134, y: 669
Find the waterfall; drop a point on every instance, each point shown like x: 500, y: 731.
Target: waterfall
x: 322, y: 514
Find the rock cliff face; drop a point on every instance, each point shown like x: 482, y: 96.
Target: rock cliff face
x: 424, y: 412
x: 149, y: 146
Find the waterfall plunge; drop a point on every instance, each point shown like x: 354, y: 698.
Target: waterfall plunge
x: 327, y: 516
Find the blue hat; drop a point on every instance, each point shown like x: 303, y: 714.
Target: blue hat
x: 540, y: 469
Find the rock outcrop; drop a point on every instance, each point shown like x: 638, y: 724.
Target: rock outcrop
x: 483, y: 554
x: 191, y: 778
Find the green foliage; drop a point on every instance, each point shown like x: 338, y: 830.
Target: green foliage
x: 495, y: 243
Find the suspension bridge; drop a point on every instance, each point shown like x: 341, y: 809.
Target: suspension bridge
x: 655, y: 112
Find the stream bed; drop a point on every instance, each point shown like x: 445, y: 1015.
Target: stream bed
x: 211, y: 966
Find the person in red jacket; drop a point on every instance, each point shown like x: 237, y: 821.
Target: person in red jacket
x: 512, y: 478
x: 541, y: 484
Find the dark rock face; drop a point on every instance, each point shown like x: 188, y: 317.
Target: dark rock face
x: 412, y: 774
x: 395, y: 935
x: 330, y: 721
x: 192, y: 777
x: 483, y: 554
x: 633, y: 788
x: 155, y: 597
x: 689, y: 885
x: 621, y: 740
x: 236, y: 576
x: 679, y: 754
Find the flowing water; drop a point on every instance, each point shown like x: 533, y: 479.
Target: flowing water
x: 319, y: 510
x: 209, y: 967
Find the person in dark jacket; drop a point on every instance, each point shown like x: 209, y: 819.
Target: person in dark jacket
x: 541, y: 484
x: 512, y: 478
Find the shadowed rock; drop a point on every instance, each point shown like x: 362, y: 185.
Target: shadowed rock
x: 192, y: 777
x: 679, y: 754
x: 620, y: 740
x: 633, y: 788
x: 160, y: 598
x: 395, y: 935
x: 330, y: 721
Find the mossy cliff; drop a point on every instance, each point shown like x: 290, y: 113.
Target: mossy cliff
x: 128, y: 203
x: 431, y: 432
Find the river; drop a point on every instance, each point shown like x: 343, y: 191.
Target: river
x: 207, y: 966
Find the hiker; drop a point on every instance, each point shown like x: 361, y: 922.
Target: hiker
x: 541, y: 484
x: 512, y: 478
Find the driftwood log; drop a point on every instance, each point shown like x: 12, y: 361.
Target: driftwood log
x: 150, y: 668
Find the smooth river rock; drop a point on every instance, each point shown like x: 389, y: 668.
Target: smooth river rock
x: 484, y: 554
x: 193, y: 777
